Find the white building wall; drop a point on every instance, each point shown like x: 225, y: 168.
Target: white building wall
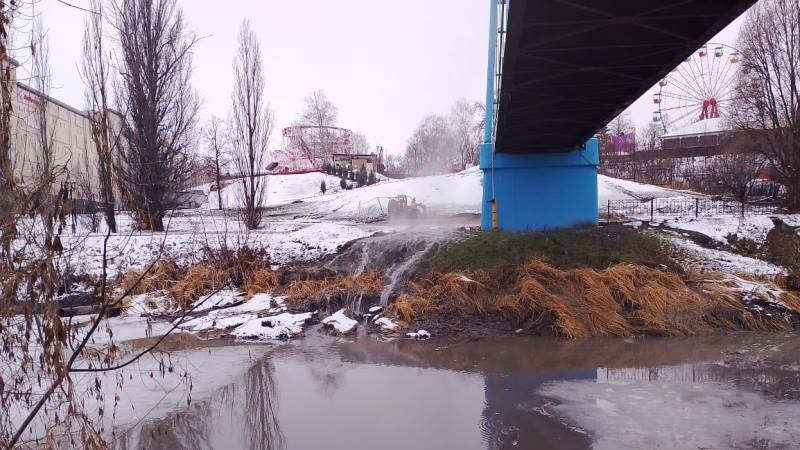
x: 70, y: 133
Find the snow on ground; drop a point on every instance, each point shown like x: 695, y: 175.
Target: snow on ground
x: 231, y: 310
x: 281, y: 326
x: 696, y: 257
x: 442, y: 194
x: 281, y: 189
x: 717, y: 228
x: 387, y: 325
x: 340, y: 322
x: 188, y: 234
x: 618, y: 189
x: 620, y: 415
x: 421, y: 334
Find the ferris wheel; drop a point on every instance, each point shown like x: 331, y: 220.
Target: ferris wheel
x: 700, y: 88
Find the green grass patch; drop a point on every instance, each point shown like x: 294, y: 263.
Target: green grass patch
x: 597, y: 247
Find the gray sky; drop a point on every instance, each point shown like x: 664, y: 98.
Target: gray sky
x: 385, y: 63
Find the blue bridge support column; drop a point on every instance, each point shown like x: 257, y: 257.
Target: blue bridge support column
x: 533, y: 191
x: 539, y: 191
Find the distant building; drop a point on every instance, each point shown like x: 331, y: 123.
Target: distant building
x: 356, y: 161
x: 701, y: 138
x: 71, y: 135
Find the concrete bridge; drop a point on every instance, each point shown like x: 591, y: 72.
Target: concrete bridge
x: 559, y: 70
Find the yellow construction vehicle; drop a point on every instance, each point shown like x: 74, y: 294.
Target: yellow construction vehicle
x: 405, y: 207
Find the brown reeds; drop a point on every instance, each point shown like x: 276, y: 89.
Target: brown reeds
x: 161, y: 276
x: 622, y: 300
x: 456, y: 293
x: 333, y: 290
x: 407, y: 307
x: 199, y: 280
x: 261, y: 280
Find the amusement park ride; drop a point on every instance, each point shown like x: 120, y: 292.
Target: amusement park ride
x: 560, y: 70
x: 700, y: 88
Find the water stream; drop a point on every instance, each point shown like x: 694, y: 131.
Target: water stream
x: 740, y: 391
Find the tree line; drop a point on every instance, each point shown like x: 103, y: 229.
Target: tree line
x: 442, y: 143
x: 763, y: 120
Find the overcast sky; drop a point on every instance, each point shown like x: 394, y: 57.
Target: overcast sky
x: 384, y: 63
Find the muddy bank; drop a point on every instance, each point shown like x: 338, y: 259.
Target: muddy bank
x: 601, y: 281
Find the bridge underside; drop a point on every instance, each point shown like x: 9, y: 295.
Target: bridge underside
x: 570, y: 66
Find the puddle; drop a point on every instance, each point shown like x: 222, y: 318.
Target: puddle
x: 740, y: 391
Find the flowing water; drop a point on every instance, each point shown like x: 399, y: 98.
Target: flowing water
x: 396, y: 253
x: 733, y: 391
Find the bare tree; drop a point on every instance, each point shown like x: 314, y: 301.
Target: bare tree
x: 160, y: 106
x: 396, y: 165
x: 360, y: 143
x: 649, y: 137
x: 95, y: 71
x: 465, y: 122
x: 431, y: 148
x: 251, y: 126
x: 735, y: 171
x: 315, y: 139
x: 8, y: 184
x: 217, y: 141
x: 767, y: 97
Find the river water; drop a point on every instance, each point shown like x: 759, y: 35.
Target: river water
x: 320, y: 392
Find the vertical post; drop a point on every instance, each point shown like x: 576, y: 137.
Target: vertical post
x: 652, y: 211
x: 608, y: 211
x: 488, y: 125
x: 487, y: 163
x: 696, y: 208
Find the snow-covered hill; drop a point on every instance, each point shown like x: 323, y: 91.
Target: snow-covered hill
x: 444, y: 194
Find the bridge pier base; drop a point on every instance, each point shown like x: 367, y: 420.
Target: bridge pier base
x: 539, y: 191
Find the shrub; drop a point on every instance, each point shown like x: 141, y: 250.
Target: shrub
x: 361, y: 178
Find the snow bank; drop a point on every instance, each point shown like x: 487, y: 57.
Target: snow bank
x: 421, y: 334
x: 282, y: 326
x: 718, y: 228
x: 281, y: 189
x: 340, y: 322
x: 455, y: 194
x: 387, y: 324
x: 188, y: 234
x: 696, y: 257
x: 618, y: 189
x: 228, y: 317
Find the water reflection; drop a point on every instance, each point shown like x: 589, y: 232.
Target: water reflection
x: 263, y: 432
x: 354, y: 394
x: 240, y: 415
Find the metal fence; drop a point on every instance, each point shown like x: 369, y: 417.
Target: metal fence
x: 682, y: 206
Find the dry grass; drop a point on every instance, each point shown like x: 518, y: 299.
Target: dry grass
x: 246, y: 269
x: 333, y: 290
x: 199, y: 280
x: 622, y: 300
x: 261, y: 280
x: 161, y: 277
x: 407, y: 307
x: 460, y: 293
